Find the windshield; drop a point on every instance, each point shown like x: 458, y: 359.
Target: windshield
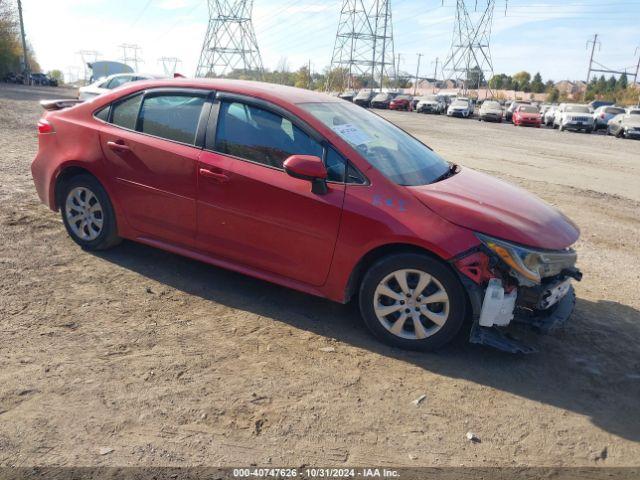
x: 393, y: 152
x: 491, y: 105
x: 460, y: 103
x: 403, y: 97
x: 430, y: 98
x: 363, y: 94
x: 528, y: 109
x: 634, y: 112
x: 577, y: 108
x: 381, y: 96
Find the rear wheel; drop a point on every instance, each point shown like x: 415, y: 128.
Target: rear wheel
x: 87, y: 213
x: 412, y: 301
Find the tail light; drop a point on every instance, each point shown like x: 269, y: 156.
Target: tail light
x: 44, y: 126
x: 602, y: 115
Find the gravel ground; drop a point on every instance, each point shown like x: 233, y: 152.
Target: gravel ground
x: 140, y: 357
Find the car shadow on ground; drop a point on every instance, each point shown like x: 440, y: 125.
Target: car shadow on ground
x: 591, y: 367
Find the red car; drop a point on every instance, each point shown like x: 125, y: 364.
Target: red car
x: 527, y: 115
x: 313, y: 193
x: 402, y: 102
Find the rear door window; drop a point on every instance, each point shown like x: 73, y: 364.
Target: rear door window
x: 173, y: 116
x: 125, y: 113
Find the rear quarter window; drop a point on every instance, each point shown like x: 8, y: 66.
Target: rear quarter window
x: 125, y: 113
x: 172, y: 116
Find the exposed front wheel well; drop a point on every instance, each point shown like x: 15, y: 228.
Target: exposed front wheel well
x: 372, y: 257
x: 64, y: 176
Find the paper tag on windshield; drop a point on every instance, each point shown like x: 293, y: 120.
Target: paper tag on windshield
x: 352, y: 134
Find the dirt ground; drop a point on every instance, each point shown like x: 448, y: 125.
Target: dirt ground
x: 160, y: 360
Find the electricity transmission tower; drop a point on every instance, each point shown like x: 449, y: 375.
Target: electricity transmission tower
x: 230, y: 42
x: 130, y: 55
x: 599, y: 68
x: 469, y: 60
x: 169, y: 65
x: 363, y: 49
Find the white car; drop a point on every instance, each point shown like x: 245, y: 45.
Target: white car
x: 461, y: 107
x: 572, y: 116
x: 603, y: 114
x: 107, y: 84
x: 550, y: 115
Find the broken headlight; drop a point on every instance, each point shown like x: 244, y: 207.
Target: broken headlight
x: 532, y: 264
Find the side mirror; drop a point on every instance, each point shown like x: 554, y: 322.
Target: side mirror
x: 308, y: 167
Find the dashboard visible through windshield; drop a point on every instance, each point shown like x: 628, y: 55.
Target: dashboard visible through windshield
x: 393, y: 152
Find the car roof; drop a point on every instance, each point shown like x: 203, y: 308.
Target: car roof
x: 266, y: 91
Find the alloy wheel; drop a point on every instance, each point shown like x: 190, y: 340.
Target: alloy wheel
x: 84, y: 213
x: 411, y: 304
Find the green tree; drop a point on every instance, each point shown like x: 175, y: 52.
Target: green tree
x: 521, y: 80
x: 536, y: 84
x: 553, y: 96
x: 623, y: 82
x: 56, y: 74
x: 611, y: 84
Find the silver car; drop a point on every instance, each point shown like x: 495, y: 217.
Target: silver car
x: 490, y: 111
x: 603, y: 114
x: 431, y: 104
x: 625, y: 125
x: 107, y: 84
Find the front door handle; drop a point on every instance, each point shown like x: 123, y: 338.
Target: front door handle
x: 219, y: 177
x: 118, y: 147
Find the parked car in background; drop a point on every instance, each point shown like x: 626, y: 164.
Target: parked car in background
x: 602, y: 115
x: 363, y: 98
x: 625, y: 125
x: 572, y: 116
x: 508, y: 114
x: 633, y: 111
x: 600, y: 103
x: 382, y: 100
x: 348, y: 96
x: 107, y: 84
x: 13, y: 77
x: 401, y: 102
x: 550, y: 115
x: 527, y: 115
x: 364, y: 209
x: 43, y: 79
x: 460, y: 107
x: 432, y: 104
x: 490, y: 111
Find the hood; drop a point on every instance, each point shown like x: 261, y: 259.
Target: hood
x: 632, y: 121
x: 488, y: 205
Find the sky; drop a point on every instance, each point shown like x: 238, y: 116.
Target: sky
x: 546, y: 36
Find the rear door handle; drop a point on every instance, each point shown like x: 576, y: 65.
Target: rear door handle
x: 219, y: 177
x: 118, y: 147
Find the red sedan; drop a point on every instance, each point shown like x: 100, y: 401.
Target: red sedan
x: 527, y: 115
x: 313, y: 193
x: 402, y: 102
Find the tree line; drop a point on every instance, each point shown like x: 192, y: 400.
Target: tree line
x: 11, y: 44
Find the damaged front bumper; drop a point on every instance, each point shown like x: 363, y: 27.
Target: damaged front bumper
x: 500, y: 297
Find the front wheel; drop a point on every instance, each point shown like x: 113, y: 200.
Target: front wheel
x: 412, y: 301
x: 87, y: 213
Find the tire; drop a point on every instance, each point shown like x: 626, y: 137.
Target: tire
x: 451, y: 313
x: 98, y: 231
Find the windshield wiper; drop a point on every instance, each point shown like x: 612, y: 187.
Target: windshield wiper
x: 451, y: 171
